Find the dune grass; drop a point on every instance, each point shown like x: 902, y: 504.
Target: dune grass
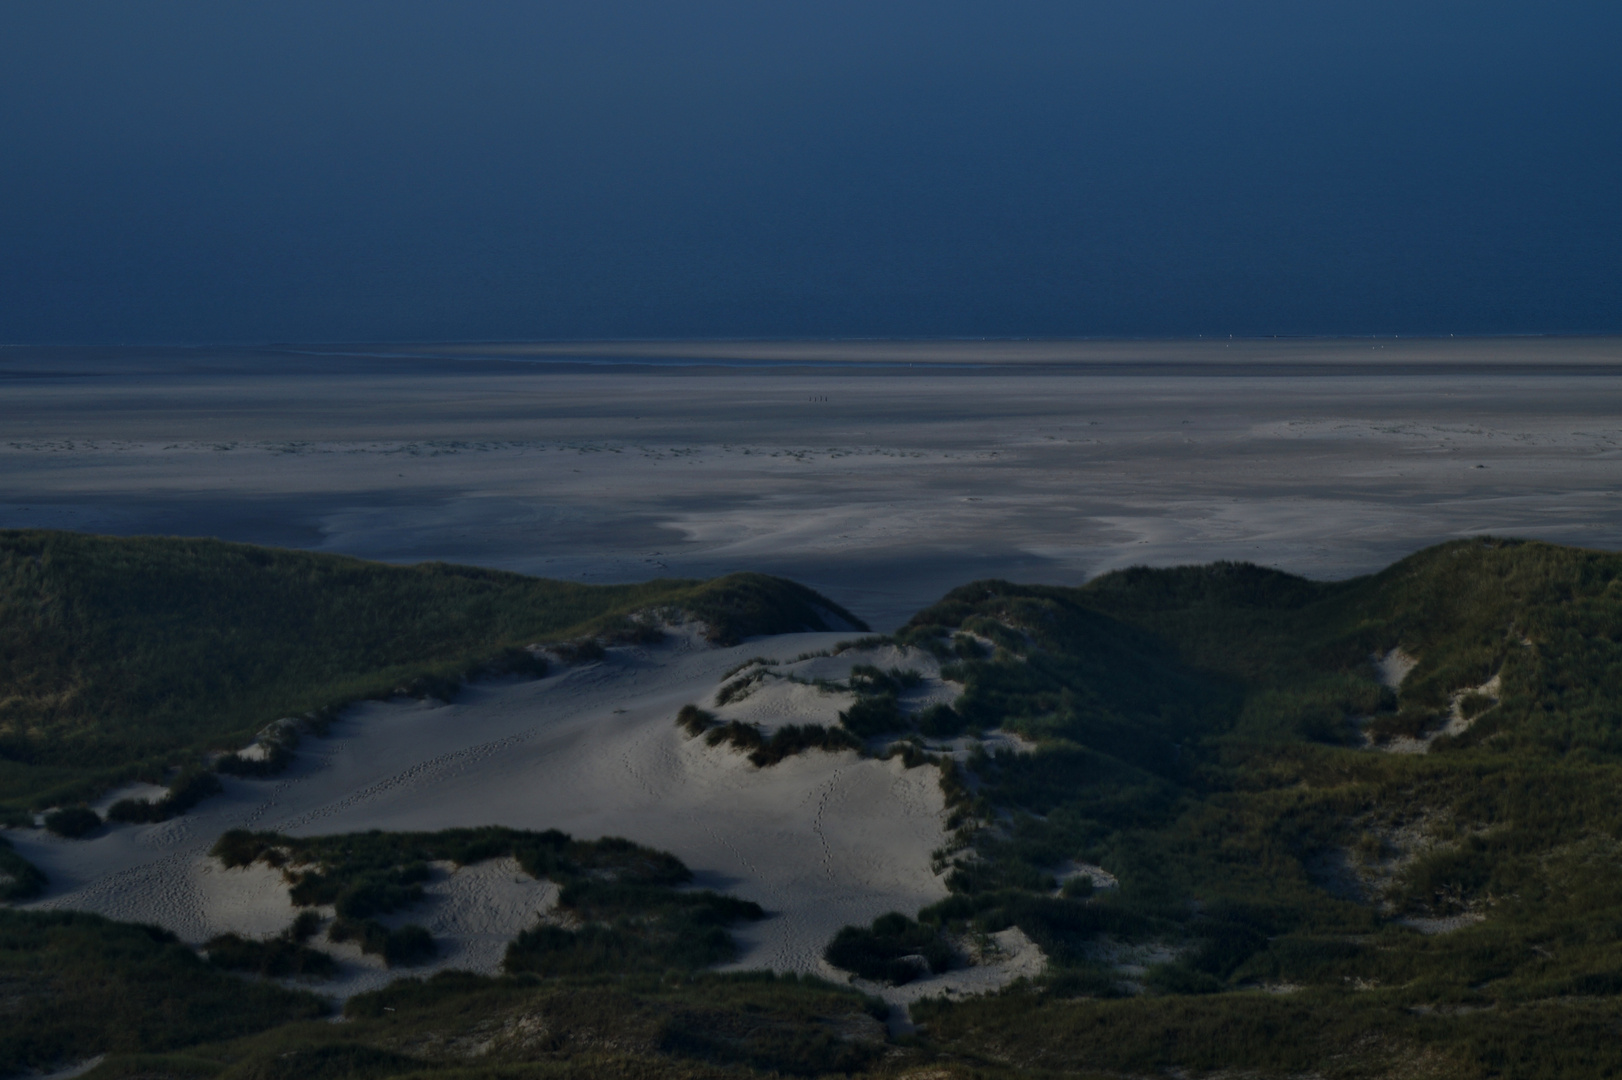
x: 457, y: 1026
x: 1201, y: 732
x: 77, y: 984
x: 623, y: 903
x: 19, y: 878
x: 764, y: 749
x: 120, y: 657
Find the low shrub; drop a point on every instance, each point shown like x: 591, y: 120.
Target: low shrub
x: 940, y: 721
x: 741, y: 735
x: 405, y: 946
x: 870, y: 717
x: 764, y: 750
x: 19, y: 878
x: 190, y: 788
x: 280, y: 957
x: 369, y: 934
x: 967, y: 648
x: 584, y: 651
x: 749, y: 663
x: 408, y: 945
x: 895, y: 950
x: 628, y: 926
x: 1180, y: 979
x: 794, y: 739
x: 1411, y: 722
x: 73, y: 822
x: 738, y: 688
x: 694, y: 720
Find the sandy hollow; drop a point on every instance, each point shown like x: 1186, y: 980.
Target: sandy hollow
x: 820, y: 841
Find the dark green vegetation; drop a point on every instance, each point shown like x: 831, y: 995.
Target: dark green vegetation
x: 121, y: 657
x: 874, y: 714
x: 638, y: 1027
x: 764, y: 749
x: 891, y: 950
x: 191, y: 787
x: 74, y: 984
x: 623, y: 904
x: 1200, y: 733
x: 73, y: 822
x: 283, y: 956
x: 19, y: 878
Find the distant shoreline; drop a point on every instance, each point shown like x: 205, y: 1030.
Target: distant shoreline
x: 1275, y: 356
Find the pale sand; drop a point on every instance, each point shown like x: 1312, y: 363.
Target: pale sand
x: 820, y: 840
x: 1394, y: 667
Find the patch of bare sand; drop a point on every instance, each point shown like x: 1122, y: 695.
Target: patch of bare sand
x: 1456, y: 723
x: 820, y: 840
x: 1393, y: 667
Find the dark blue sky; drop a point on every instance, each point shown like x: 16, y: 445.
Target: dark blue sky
x: 406, y: 170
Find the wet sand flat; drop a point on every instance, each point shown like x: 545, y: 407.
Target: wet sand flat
x: 883, y: 474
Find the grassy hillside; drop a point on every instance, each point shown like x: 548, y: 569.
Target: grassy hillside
x: 121, y: 656
x: 1290, y: 891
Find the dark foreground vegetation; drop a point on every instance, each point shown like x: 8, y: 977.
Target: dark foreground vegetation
x: 75, y: 984
x: 123, y: 657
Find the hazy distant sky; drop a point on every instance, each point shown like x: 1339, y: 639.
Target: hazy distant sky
x: 407, y: 170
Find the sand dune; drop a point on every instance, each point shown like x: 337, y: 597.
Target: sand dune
x: 820, y: 840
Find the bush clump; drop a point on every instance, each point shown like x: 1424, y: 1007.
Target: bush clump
x: 190, y: 788
x: 764, y: 750
x: 628, y: 926
x: 19, y: 878
x: 940, y: 721
x: 870, y: 717
x: 694, y: 720
x: 281, y: 957
x: 792, y: 739
x: 584, y: 651
x: 404, y: 946
x: 895, y: 950
x: 77, y: 984
x: 73, y: 822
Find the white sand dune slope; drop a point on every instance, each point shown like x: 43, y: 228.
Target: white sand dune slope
x: 820, y: 840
